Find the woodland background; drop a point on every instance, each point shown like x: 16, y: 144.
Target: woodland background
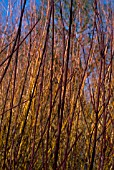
x: 56, y: 85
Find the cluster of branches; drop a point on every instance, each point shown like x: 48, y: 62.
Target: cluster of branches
x: 56, y: 85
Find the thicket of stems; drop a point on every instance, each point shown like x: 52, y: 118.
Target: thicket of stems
x: 56, y: 85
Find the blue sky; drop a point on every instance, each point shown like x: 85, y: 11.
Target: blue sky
x: 4, y: 5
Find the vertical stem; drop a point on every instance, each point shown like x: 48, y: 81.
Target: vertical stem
x: 51, y: 85
x: 64, y: 93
